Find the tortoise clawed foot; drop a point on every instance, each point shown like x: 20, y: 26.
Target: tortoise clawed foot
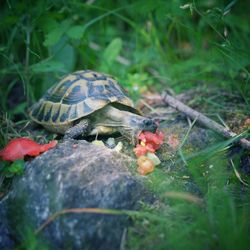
x: 79, y: 129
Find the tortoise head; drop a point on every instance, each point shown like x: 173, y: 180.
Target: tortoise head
x: 127, y: 123
x: 140, y: 123
x: 135, y: 124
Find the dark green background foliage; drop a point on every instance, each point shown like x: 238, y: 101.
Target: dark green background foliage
x: 148, y: 45
x: 145, y: 44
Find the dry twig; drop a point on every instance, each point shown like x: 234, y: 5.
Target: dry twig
x: 204, y: 120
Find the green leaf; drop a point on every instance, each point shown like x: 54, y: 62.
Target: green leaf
x: 110, y: 53
x: 113, y: 50
x: 65, y: 53
x: 47, y: 66
x: 76, y: 32
x: 54, y: 35
x: 47, y: 23
x: 16, y: 168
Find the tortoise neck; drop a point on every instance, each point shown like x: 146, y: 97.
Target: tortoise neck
x: 117, y: 114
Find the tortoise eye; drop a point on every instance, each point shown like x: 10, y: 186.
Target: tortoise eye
x: 150, y: 125
x: 148, y: 122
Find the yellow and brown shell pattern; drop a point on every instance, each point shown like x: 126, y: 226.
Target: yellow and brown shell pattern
x: 77, y: 95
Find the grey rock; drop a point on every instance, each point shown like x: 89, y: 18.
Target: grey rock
x: 75, y: 174
x: 6, y: 240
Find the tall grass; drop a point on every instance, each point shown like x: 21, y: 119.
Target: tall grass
x: 145, y: 44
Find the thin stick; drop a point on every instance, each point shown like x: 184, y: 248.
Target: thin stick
x: 77, y: 211
x: 204, y: 120
x: 96, y: 211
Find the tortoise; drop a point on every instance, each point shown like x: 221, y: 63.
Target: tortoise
x: 89, y: 103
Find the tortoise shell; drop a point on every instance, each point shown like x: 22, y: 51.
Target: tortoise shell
x: 78, y: 95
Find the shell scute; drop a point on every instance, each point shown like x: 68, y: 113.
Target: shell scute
x: 96, y: 91
x: 73, y: 112
x: 114, y: 90
x: 41, y: 113
x: 86, y: 108
x: 64, y: 116
x: 76, y: 95
x: 56, y: 115
x: 56, y: 92
x: 48, y: 114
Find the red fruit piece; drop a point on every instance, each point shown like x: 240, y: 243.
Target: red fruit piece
x: 156, y: 138
x: 142, y: 137
x: 20, y: 147
x: 149, y: 142
x: 140, y: 150
x: 153, y: 139
x: 145, y: 165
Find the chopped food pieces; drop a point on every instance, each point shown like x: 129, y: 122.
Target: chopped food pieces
x: 154, y: 158
x: 145, y: 150
x: 118, y: 147
x: 153, y: 139
x: 145, y: 165
x: 98, y: 143
x: 20, y: 147
x: 110, y: 143
x: 149, y: 142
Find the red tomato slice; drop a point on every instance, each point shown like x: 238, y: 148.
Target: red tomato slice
x: 152, y: 142
x: 20, y: 147
x: 140, y: 150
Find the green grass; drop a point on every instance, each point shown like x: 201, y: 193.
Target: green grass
x: 152, y: 44
x: 220, y: 221
x: 148, y: 46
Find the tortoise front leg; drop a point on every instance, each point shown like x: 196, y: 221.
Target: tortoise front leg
x: 80, y: 128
